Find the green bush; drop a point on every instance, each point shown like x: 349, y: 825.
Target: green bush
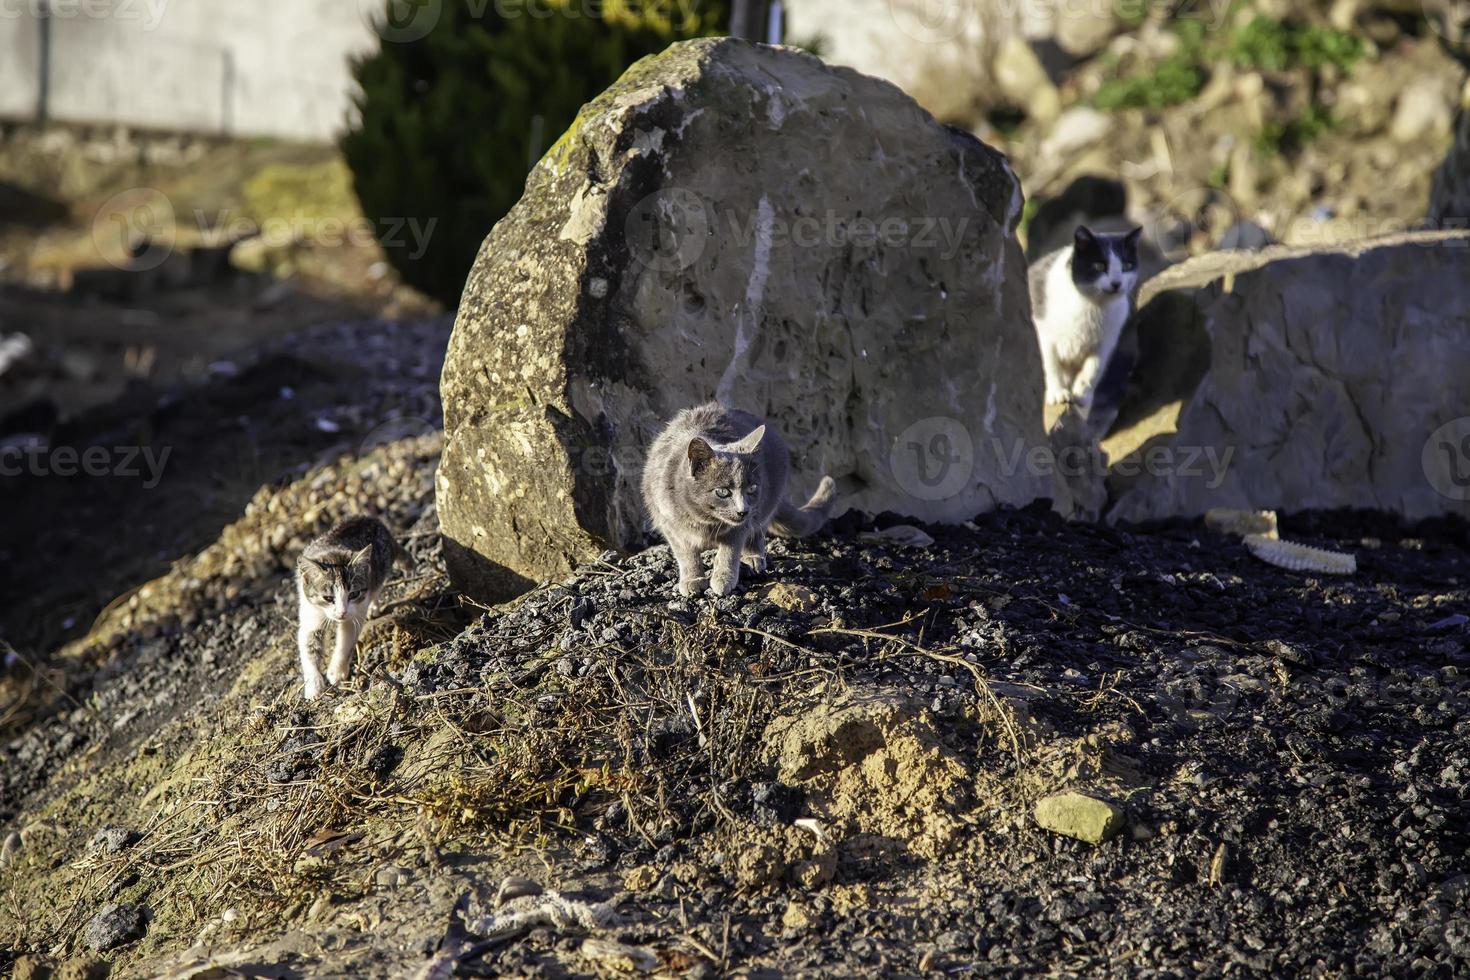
x: 452, y: 123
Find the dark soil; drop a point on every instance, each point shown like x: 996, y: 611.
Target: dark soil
x: 1292, y: 752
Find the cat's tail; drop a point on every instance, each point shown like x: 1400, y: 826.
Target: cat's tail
x: 797, y: 522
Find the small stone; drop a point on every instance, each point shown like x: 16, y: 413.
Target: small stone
x: 797, y: 917
x: 1023, y: 81
x: 1423, y: 110
x: 1075, y: 130
x: 641, y: 878
x: 614, y: 957
x: 110, y: 840
x: 392, y: 876
x: 115, y: 925
x: 792, y: 598
x: 1078, y: 815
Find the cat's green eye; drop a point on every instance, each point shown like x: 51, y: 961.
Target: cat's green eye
x: 354, y: 596
x: 326, y: 599
x: 722, y: 493
x: 753, y: 488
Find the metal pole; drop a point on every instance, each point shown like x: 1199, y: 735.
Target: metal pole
x: 748, y: 19
x: 43, y: 86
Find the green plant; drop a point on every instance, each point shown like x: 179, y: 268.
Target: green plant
x: 1173, y: 80
x: 1293, y: 134
x: 450, y: 124
x: 1273, y: 45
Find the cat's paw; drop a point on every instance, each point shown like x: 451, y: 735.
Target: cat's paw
x: 691, y: 586
x: 723, y: 584
x: 313, y: 686
x: 756, y: 563
x: 1057, y: 396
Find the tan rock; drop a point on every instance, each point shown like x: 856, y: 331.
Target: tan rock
x: 1078, y: 815
x: 792, y: 598
x: 1024, y: 82
x: 1347, y: 361
x: 856, y: 279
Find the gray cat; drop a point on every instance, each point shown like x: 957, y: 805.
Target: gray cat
x: 716, y: 478
x: 338, y: 577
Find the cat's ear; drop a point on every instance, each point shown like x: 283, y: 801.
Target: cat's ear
x: 700, y: 455
x: 750, y: 443
x: 1083, y: 237
x: 362, y: 557
x: 324, y: 566
x: 1130, y: 240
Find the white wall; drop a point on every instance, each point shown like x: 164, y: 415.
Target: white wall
x: 242, y: 67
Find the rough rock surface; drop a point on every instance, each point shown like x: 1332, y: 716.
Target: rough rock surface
x: 853, y: 276
x: 1299, y: 378
x: 1449, y: 199
x: 1078, y: 815
x: 113, y: 926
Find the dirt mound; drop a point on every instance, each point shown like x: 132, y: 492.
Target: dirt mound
x: 874, y: 764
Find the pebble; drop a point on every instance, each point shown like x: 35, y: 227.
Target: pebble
x: 1078, y: 815
x: 115, y: 925
x: 110, y: 840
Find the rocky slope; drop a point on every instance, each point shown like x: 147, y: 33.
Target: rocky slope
x: 839, y: 770
x: 1314, y: 123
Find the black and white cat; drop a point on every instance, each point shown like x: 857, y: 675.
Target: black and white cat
x: 1081, y: 296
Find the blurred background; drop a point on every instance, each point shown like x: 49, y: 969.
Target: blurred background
x: 185, y: 184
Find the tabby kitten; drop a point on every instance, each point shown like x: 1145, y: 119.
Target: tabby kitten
x: 716, y: 478
x: 338, y: 577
